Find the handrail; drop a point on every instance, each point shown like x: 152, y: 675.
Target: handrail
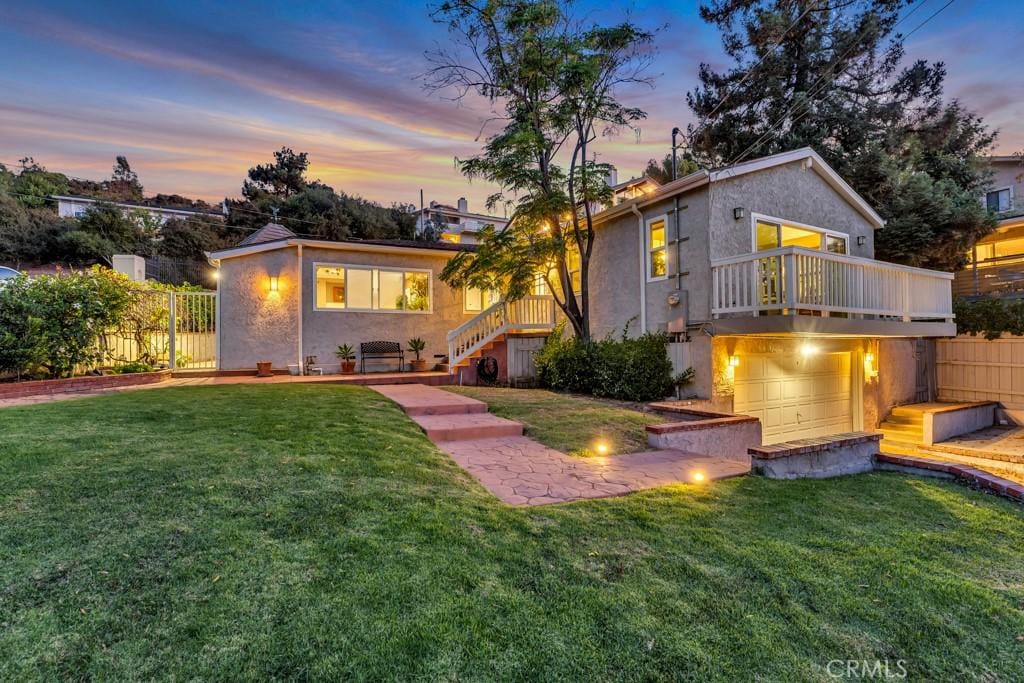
x: 472, y: 321
x: 830, y: 256
x: 529, y: 313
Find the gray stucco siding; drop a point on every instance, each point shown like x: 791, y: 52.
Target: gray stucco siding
x: 259, y: 325
x: 789, y: 192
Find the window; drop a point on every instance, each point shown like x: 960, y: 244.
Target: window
x: 998, y: 200
x: 657, y: 266
x: 371, y: 289
x: 572, y: 262
x: 772, y: 235
x: 475, y: 300
x: 540, y: 285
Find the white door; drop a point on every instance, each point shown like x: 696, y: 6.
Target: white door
x: 795, y: 396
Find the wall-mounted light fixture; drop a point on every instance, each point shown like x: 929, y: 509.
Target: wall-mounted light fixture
x: 273, y: 286
x: 861, y: 240
x: 734, y: 361
x: 808, y: 349
x: 739, y: 212
x: 870, y: 370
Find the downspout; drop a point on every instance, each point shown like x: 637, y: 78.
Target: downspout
x: 298, y: 289
x: 643, y: 269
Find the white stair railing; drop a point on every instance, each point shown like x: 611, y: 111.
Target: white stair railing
x: 528, y: 313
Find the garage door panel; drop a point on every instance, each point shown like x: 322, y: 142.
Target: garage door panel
x: 796, y: 397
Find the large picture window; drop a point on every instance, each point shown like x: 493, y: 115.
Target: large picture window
x: 771, y: 234
x: 362, y: 288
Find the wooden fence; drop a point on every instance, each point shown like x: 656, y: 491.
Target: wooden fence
x: 975, y: 369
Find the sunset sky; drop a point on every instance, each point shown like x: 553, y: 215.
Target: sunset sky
x: 194, y: 93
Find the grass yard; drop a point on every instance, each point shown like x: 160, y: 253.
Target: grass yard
x: 305, y: 531
x: 571, y: 425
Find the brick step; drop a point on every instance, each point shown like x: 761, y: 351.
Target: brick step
x: 467, y: 426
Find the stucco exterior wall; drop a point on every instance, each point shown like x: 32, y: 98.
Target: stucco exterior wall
x: 258, y: 325
x: 255, y: 323
x: 789, y: 192
x: 896, y: 383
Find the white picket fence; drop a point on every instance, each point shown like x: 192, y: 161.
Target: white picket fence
x: 793, y: 278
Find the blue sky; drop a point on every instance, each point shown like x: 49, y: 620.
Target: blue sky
x: 194, y: 93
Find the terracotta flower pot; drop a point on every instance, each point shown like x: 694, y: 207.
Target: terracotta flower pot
x: 348, y: 366
x: 264, y: 369
x: 418, y: 365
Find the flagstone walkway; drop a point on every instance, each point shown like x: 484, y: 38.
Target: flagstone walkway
x: 520, y: 471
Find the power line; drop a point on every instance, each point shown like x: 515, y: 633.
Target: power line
x: 808, y: 101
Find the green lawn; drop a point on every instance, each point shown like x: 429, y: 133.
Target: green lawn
x: 570, y: 424
x: 255, y: 532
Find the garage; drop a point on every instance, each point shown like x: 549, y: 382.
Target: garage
x: 795, y: 395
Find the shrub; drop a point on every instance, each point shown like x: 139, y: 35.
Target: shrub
x: 131, y: 368
x: 55, y: 321
x: 627, y: 369
x: 989, y: 317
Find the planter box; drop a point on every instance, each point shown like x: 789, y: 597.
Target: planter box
x: 74, y: 385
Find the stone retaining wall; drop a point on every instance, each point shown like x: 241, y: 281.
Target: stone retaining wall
x: 74, y: 385
x: 818, y: 458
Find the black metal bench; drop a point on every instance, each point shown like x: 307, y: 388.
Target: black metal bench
x: 380, y: 349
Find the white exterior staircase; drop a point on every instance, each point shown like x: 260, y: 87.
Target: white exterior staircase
x: 471, y: 338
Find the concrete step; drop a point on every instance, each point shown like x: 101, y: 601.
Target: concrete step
x: 467, y: 426
x: 898, y: 437
x: 915, y: 420
x: 913, y: 430
x: 913, y: 413
x: 420, y: 400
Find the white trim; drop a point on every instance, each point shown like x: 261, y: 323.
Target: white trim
x: 703, y: 177
x: 755, y: 218
x: 374, y: 291
x: 649, y: 250
x: 1009, y: 198
x: 302, y: 359
x: 233, y: 252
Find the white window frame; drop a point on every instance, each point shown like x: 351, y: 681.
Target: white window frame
x: 374, y: 288
x: 483, y: 295
x: 756, y: 218
x: 649, y: 250
x: 1009, y: 197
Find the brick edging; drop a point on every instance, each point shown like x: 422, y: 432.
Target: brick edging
x: 966, y: 473
x: 805, y: 446
x: 74, y: 385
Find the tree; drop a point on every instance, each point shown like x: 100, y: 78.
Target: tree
x: 124, y: 185
x: 554, y: 82
x: 282, y: 178
x: 662, y: 171
x: 829, y: 74
x: 188, y: 238
x: 35, y: 185
x: 103, y: 231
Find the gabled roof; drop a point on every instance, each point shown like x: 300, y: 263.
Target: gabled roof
x: 268, y: 233
x: 704, y: 177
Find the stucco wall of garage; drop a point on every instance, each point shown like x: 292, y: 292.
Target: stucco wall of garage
x: 255, y: 323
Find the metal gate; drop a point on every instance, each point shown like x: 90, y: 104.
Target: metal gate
x: 192, y: 339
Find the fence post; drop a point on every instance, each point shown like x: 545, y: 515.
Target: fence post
x: 172, y: 328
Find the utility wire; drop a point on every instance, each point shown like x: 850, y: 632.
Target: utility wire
x: 815, y: 88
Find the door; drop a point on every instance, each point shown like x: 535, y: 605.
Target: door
x: 795, y: 396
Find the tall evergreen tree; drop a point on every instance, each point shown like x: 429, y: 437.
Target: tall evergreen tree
x: 830, y: 74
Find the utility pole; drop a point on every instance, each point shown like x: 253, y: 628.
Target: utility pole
x: 675, y: 165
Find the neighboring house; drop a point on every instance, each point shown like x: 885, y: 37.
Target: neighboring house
x: 631, y: 189
x: 763, y: 272
x: 75, y: 207
x: 995, y: 266
x: 455, y: 224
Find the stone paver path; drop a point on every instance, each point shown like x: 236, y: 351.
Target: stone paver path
x: 520, y: 471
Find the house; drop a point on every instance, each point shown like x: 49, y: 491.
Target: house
x: 763, y: 273
x: 455, y: 224
x: 75, y: 207
x: 631, y: 189
x: 995, y: 266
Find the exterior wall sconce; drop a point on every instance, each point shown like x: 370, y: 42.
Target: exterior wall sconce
x: 739, y: 212
x: 274, y: 286
x: 734, y: 361
x: 861, y: 239
x: 870, y: 371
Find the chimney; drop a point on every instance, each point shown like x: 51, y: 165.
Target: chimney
x: 463, y: 205
x: 613, y: 177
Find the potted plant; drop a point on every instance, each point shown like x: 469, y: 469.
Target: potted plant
x: 264, y: 368
x: 416, y: 345
x: 347, y: 355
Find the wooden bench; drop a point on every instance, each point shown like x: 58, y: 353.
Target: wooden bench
x: 381, y: 350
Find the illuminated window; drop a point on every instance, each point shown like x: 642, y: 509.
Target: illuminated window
x: 449, y: 237
x: 771, y: 235
x: 572, y: 262
x: 475, y: 300
x: 656, y: 250
x: 540, y: 285
x: 358, y: 288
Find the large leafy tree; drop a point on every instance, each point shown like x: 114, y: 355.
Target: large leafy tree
x: 282, y: 178
x: 831, y: 74
x: 552, y: 80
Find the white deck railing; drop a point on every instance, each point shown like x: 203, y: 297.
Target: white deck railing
x: 793, y: 279
x: 528, y: 313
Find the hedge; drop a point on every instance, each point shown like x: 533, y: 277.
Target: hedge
x: 989, y: 317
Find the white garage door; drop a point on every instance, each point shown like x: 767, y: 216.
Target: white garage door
x: 795, y: 396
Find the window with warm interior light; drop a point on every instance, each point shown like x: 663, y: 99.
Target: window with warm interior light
x: 657, y: 250
x: 361, y: 288
x: 475, y: 300
x: 773, y: 235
